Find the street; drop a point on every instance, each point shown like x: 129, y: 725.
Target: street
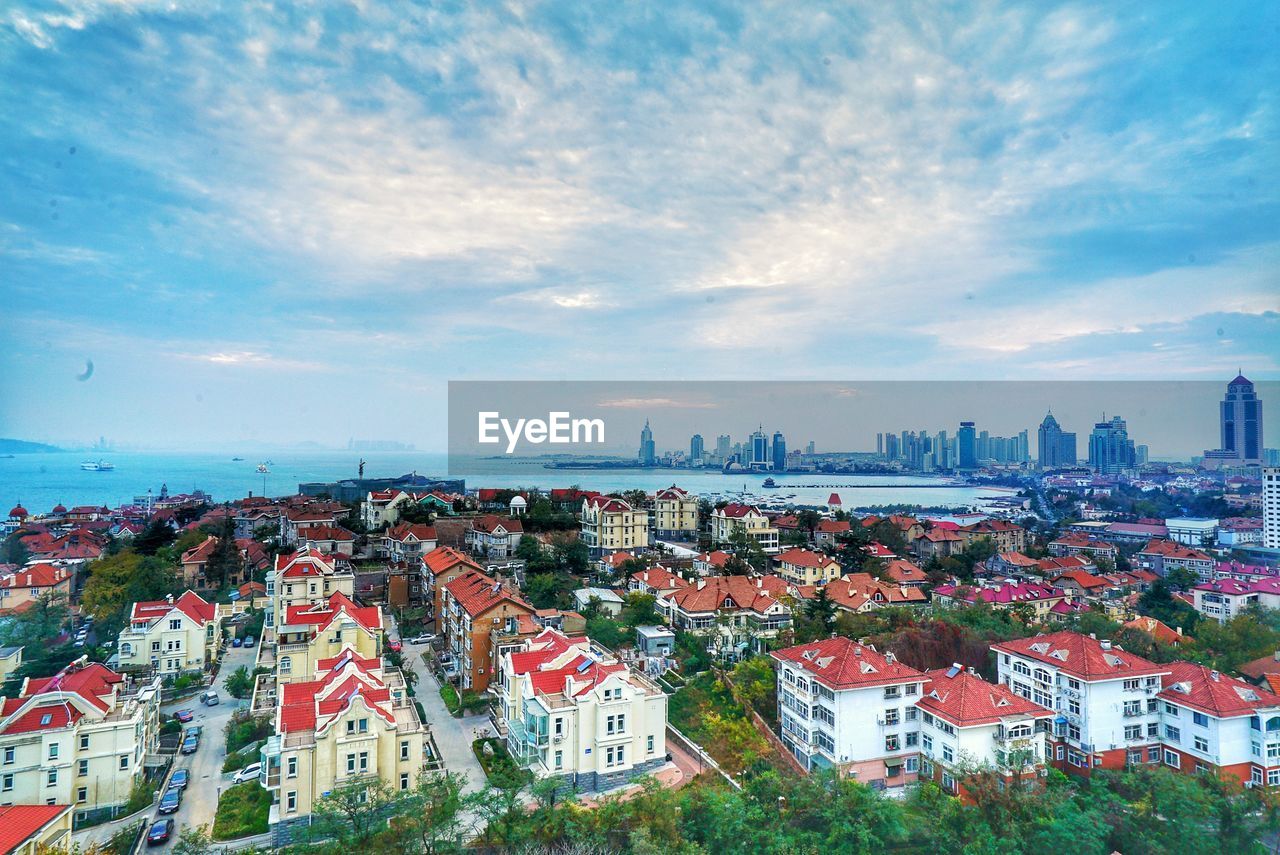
x: 453, y: 736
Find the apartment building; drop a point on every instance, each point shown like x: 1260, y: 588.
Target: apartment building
x: 1105, y: 697
x: 1076, y: 543
x: 804, y: 567
x: 382, y: 507
x: 81, y: 737
x: 968, y: 724
x: 1164, y: 556
x: 1271, y: 507
x: 610, y: 524
x: 440, y: 567
x: 352, y: 722
x: 739, y: 613
x: 846, y: 706
x: 1214, y: 723
x: 1038, y: 598
x: 1006, y: 536
x: 747, y: 519
x: 305, y: 577
x: 23, y: 587
x: 408, y: 541
x: 172, y: 636
x: 493, y: 536
x: 573, y: 711
x: 938, y: 543
x: 472, y: 606
x: 675, y: 514
x: 1223, y: 599
x: 308, y: 634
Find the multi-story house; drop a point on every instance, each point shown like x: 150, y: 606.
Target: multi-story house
x: 846, y: 706
x: 745, y: 519
x: 675, y: 514
x: 862, y: 592
x: 1038, y: 598
x: 306, y: 577
x: 1006, y: 536
x: 656, y: 580
x: 1223, y: 599
x: 171, y: 636
x: 1210, y: 722
x: 80, y: 737
x: 827, y: 532
x: 352, y: 722
x: 968, y: 725
x: 25, y: 585
x: 493, y: 536
x: 1012, y: 564
x: 900, y: 571
x: 1105, y: 697
x: 382, y: 507
x: 739, y: 613
x: 441, y: 566
x: 803, y: 567
x: 408, y: 541
x: 1164, y: 556
x: 196, y: 559
x: 472, y: 606
x: 573, y: 711
x: 938, y: 542
x: 329, y: 539
x: 610, y: 524
x: 1076, y: 543
x: 307, y: 634
x: 294, y: 519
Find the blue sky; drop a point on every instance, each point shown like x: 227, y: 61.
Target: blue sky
x: 288, y: 222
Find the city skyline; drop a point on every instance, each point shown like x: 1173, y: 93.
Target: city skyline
x: 328, y: 212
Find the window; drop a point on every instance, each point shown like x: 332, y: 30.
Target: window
x: 404, y: 780
x: 404, y: 750
x: 155, y: 645
x: 82, y: 768
x: 84, y: 742
x: 1200, y: 719
x: 891, y: 717
x: 8, y: 756
x: 1273, y: 777
x: 176, y: 623
x: 82, y: 795
x: 613, y: 755
x: 351, y: 764
x: 926, y: 742
x: 911, y: 714
x: 1133, y: 731
x: 557, y: 726
x: 1171, y: 758
x: 363, y: 725
x: 1202, y: 744
x: 291, y: 767
x: 1153, y: 730
x: 291, y: 801
x: 913, y: 738
x: 912, y: 764
x: 53, y: 751
x: 1132, y: 708
x: 913, y: 689
x: 648, y: 744
x: 947, y: 754
x: 7, y: 783
x: 558, y: 760
x: 351, y: 727
x: 1153, y: 755
x: 615, y: 724
x: 1132, y: 685
x: 124, y: 761
x: 1170, y: 709
x: 948, y: 782
x: 891, y: 742
x: 286, y: 664
x: 1172, y: 733
x: 892, y: 692
x: 1134, y: 758
x: 364, y: 761
x: 51, y: 779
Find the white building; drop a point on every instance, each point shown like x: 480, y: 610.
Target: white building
x: 1193, y: 531
x: 171, y: 636
x: 1271, y: 508
x: 571, y: 710
x: 844, y: 705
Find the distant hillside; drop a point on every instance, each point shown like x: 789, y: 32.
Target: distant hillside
x: 21, y: 446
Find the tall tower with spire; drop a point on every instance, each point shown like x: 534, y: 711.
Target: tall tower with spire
x: 648, y: 453
x: 1240, y: 426
x: 1057, y: 447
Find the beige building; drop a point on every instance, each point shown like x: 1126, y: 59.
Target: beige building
x: 610, y: 524
x: 804, y: 567
x: 81, y: 737
x: 746, y: 518
x: 171, y: 636
x: 571, y: 710
x: 10, y: 661
x: 23, y: 587
x: 304, y: 578
x: 675, y: 513
x: 382, y: 508
x: 33, y: 829
x: 311, y: 633
x: 352, y: 722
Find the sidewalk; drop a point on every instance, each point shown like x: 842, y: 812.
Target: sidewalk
x: 453, y: 736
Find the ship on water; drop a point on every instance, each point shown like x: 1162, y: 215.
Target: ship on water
x: 97, y: 466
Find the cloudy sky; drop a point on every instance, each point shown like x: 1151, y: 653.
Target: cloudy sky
x: 297, y: 221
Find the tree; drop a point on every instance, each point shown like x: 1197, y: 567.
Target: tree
x: 352, y: 814
x: 573, y: 556
x: 437, y: 822
x: 240, y: 682
x: 157, y: 534
x: 224, y: 562
x: 193, y: 841
x: 821, y: 610
x: 118, y: 580
x: 748, y: 550
x: 808, y: 519
x: 500, y: 808
x: 543, y: 590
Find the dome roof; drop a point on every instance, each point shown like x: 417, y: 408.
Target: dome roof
x: 17, y: 512
x: 59, y: 508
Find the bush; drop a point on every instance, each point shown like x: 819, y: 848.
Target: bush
x: 142, y: 795
x: 171, y: 725
x: 243, y: 811
x: 449, y: 695
x: 244, y: 728
x: 185, y: 681
x: 239, y: 759
x: 499, y: 763
x: 121, y: 843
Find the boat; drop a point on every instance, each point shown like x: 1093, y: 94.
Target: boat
x: 769, y: 482
x: 97, y: 466
x: 262, y: 469
x: 237, y: 459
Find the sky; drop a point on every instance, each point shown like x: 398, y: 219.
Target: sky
x: 288, y: 222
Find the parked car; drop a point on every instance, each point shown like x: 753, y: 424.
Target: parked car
x: 170, y: 801
x: 184, y: 716
x: 248, y: 641
x: 248, y: 773
x: 423, y: 639
x: 236, y: 642
x: 395, y: 645
x: 161, y: 831
x: 210, y: 698
x: 194, y: 730
x: 180, y: 779
x: 190, y: 744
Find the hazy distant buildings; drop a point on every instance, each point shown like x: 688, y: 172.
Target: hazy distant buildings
x: 779, y: 451
x: 648, y: 452
x: 724, y: 447
x: 1056, y: 447
x: 1240, y: 422
x: 967, y: 440
x: 1111, y: 451
x: 759, y: 449
x: 695, y: 449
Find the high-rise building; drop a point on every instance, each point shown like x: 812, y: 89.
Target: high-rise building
x: 1240, y: 421
x: 1111, y: 450
x: 759, y: 448
x: 968, y: 442
x: 810, y: 448
x: 1271, y: 508
x: 1141, y: 454
x: 779, y: 450
x: 1056, y: 447
x: 724, y: 447
x: 648, y: 452
x: 880, y: 444
x: 695, y: 448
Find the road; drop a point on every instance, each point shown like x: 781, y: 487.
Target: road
x: 453, y: 736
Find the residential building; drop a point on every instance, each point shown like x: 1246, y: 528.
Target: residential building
x: 711, y: 563
x: 739, y: 613
x: 746, y: 519
x: 171, y: 636
x: 803, y: 567
x: 862, y: 592
x: 846, y: 706
x: 573, y: 711
x: 306, y: 577
x: 382, y: 508
x: 900, y: 571
x: 472, y: 605
x: 606, y: 601
x: 828, y: 531
x: 1105, y: 697
x: 1271, y: 507
x: 1235, y: 532
x: 82, y: 737
x: 493, y: 536
x: 1038, y: 598
x: 656, y: 580
x: 294, y: 519
x: 441, y: 566
x: 1011, y: 564
x: 968, y: 724
x: 1076, y: 543
x: 35, y: 829
x: 354, y: 721
x: 939, y: 542
x: 329, y: 539
x: 1006, y: 536
x: 675, y: 514
x: 1223, y: 599
x: 1158, y: 630
x: 610, y: 524
x: 408, y: 541
x: 22, y: 588
x: 307, y: 634
x: 10, y: 662
x: 1164, y: 556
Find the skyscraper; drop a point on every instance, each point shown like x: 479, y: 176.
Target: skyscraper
x: 779, y: 450
x: 695, y: 447
x: 724, y: 447
x: 1110, y: 449
x: 1240, y: 420
x: 759, y: 446
x: 1271, y: 508
x: 1056, y: 447
x: 968, y: 446
x: 648, y: 454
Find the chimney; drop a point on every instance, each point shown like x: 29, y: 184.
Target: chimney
x: 1106, y: 645
x: 1093, y: 636
x: 168, y: 598
x: 1276, y: 655
x: 702, y: 583
x: 889, y: 657
x: 1214, y: 676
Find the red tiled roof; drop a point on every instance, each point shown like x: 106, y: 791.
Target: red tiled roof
x: 1173, y: 549
x: 1084, y: 579
x: 854, y: 590
x: 1158, y: 630
x: 1012, y: 592
x: 305, y: 562
x: 490, y: 524
x: 1066, y: 562
x: 941, y: 535
x: 200, y: 552
x: 443, y: 558
x: 477, y: 593
x: 833, y: 526
x: 19, y: 823
x: 804, y: 558
x: 1017, y: 559
x: 902, y: 571
x: 190, y: 604
x: 325, y: 532
x: 716, y: 558
x: 1081, y: 656
x: 742, y: 592
x: 320, y: 616
x: 734, y: 510
x: 659, y: 579
x: 672, y: 493
x: 404, y: 532
x: 1200, y: 687
x: 37, y: 576
x: 841, y: 663
x: 967, y: 700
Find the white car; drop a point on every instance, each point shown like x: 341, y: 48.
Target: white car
x: 248, y: 773
x: 423, y: 639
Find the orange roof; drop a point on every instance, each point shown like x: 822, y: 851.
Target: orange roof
x: 1200, y: 687
x: 443, y: 558
x: 798, y: 557
x: 659, y: 579
x: 1157, y: 629
x: 902, y: 571
x: 1173, y: 549
x: 738, y: 592
x: 490, y: 523
x: 304, y: 562
x: 477, y: 593
x: 19, y: 823
x: 967, y: 700
x: 841, y: 663
x: 1081, y: 656
x: 405, y: 532
x: 201, y: 551
x: 321, y: 615
x: 37, y: 576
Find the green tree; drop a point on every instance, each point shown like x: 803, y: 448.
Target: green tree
x: 156, y: 535
x: 239, y: 682
x: 193, y: 840
x: 437, y: 822
x: 351, y: 814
